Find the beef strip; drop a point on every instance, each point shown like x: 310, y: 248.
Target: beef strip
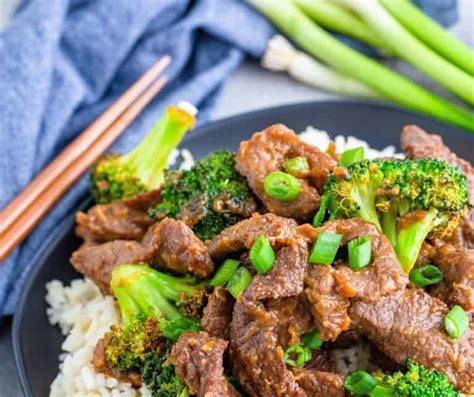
x: 242, y: 235
x: 418, y: 144
x: 175, y: 247
x: 266, y: 151
x: 97, y: 261
x: 218, y: 313
x: 457, y: 287
x: 272, y: 313
x: 168, y: 245
x: 410, y: 324
x: 319, y: 383
x: 332, y: 289
x: 121, y: 220
x: 198, y: 358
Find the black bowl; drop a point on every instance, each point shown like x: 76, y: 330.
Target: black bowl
x: 37, y: 344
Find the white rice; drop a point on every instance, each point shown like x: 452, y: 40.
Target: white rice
x: 83, y: 314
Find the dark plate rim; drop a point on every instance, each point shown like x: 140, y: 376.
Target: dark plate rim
x: 54, y: 239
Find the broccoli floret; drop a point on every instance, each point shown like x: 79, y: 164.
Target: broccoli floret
x: 161, y: 378
x: 407, y: 200
x: 419, y: 381
x: 151, y: 304
x: 209, y: 197
x: 115, y: 176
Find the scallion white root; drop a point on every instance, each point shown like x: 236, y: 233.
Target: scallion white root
x: 281, y: 56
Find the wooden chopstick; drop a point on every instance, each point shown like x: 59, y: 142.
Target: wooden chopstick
x: 79, y: 145
x: 45, y: 198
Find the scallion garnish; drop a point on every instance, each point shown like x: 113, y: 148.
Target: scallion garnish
x: 282, y: 186
x: 350, y: 156
x: 239, y: 282
x: 360, y: 252
x: 325, y: 249
x: 456, y: 322
x: 295, y: 165
x: 224, y: 273
x: 426, y: 275
x: 297, y: 356
x: 262, y: 255
x: 360, y: 383
x: 381, y: 391
x: 311, y: 340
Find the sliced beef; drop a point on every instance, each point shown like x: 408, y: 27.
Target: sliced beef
x: 121, y: 220
x: 174, y: 246
x: 410, y: 324
x: 332, y: 289
x: 457, y: 287
x: 272, y: 313
x: 256, y: 355
x: 168, y: 245
x: 198, y: 358
x: 97, y: 261
x: 418, y: 144
x: 218, y: 313
x: 242, y: 235
x: 320, y: 383
x: 266, y: 152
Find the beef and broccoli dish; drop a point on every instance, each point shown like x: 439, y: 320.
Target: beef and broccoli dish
x: 249, y: 273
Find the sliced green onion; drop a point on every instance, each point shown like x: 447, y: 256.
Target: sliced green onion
x: 360, y: 383
x: 426, y: 275
x: 224, y: 273
x: 350, y: 156
x: 320, y: 215
x: 456, y: 322
x: 239, y: 282
x: 360, y: 252
x: 381, y: 391
x: 282, y: 186
x: 295, y: 165
x: 325, y: 249
x: 311, y: 340
x: 262, y: 255
x: 297, y: 356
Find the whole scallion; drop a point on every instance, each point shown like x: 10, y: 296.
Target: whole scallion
x: 293, y: 22
x: 412, y: 50
x: 428, y: 31
x: 281, y: 56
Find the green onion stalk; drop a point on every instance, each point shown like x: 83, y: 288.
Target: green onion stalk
x: 428, y: 31
x: 337, y: 18
x: 293, y: 22
x: 412, y: 50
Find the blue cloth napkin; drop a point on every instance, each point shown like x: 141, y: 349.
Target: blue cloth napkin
x: 62, y: 62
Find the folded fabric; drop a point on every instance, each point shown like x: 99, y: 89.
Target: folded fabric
x: 62, y: 62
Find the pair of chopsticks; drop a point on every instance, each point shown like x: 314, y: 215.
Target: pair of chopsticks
x: 27, y: 209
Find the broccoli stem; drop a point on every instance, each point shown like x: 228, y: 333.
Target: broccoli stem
x: 410, y: 238
x: 173, y: 288
x: 129, y: 309
x: 150, y: 157
x: 366, y: 201
x: 389, y: 225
